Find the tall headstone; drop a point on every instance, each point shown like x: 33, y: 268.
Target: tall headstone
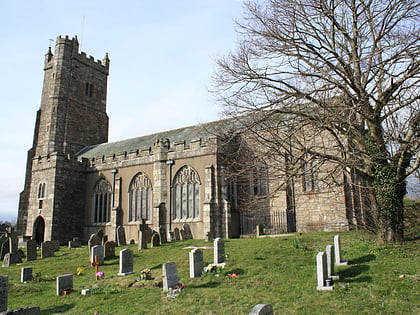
x: 4, y: 291
x: 26, y: 274
x: 219, y: 250
x: 109, y: 248
x: 170, y: 275
x: 262, y: 309
x: 7, y: 260
x: 155, y: 240
x: 121, y: 236
x: 31, y: 250
x: 323, y: 283
x: 142, y: 236
x: 97, y: 250
x: 187, y: 232
x: 337, y: 245
x: 47, y: 250
x: 162, y: 233
x: 126, y: 262
x: 196, y: 263
x: 329, y: 251
x: 93, y: 241
x: 64, y: 283
x: 4, y: 246
x: 177, y: 234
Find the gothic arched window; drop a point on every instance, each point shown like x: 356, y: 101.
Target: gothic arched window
x: 102, y: 201
x: 140, y: 198
x: 186, y: 194
x: 41, y: 195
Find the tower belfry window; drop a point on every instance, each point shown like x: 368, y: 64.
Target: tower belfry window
x: 88, y: 89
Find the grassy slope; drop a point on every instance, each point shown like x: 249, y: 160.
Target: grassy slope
x: 279, y: 271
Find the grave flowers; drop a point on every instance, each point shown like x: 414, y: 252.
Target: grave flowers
x: 79, y: 271
x: 146, y: 274
x: 100, y: 274
x: 215, y: 268
x: 176, y: 290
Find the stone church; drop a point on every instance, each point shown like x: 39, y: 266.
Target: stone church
x: 77, y: 183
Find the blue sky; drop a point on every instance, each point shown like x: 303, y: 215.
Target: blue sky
x: 162, y: 55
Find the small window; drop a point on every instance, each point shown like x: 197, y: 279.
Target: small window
x: 88, y: 89
x: 41, y: 195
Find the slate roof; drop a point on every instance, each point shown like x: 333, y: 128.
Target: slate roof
x: 203, y: 131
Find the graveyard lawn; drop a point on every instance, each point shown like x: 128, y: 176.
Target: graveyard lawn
x: 279, y: 271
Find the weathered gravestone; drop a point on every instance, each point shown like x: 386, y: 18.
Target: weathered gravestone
x: 13, y: 258
x: 75, y: 243
x: 323, y: 283
x: 155, y: 240
x: 187, y: 232
x: 100, y: 234
x: 126, y: 262
x: 47, y: 250
x: 329, y: 251
x: 98, y: 251
x: 4, y: 288
x: 142, y: 235
x: 171, y: 235
x: 259, y: 230
x: 93, y: 241
x: 338, y: 260
x: 121, y: 236
x: 26, y: 274
x: 170, y: 275
x: 262, y: 309
x: 31, y: 250
x: 27, y: 310
x: 177, y: 234
x: 219, y: 250
x: 196, y: 263
x: 162, y: 233
x: 55, y: 245
x: 4, y: 246
x: 64, y: 284
x: 109, y: 248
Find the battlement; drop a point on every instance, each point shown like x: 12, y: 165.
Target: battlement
x: 180, y: 148
x: 73, y: 45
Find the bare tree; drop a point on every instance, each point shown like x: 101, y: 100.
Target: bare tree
x: 348, y: 69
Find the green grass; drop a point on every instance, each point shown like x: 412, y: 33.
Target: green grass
x: 278, y: 271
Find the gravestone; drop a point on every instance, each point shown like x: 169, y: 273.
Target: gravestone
x: 75, y: 243
x: 17, y: 256
x: 109, y: 248
x: 171, y: 235
x: 262, y: 309
x: 104, y: 240
x: 142, y: 236
x: 187, y: 232
x: 259, y: 230
x: 4, y: 288
x: 47, y: 250
x: 13, y: 241
x: 100, y: 234
x: 64, y: 283
x: 338, y: 260
x: 126, y: 262
x: 162, y: 234
x: 121, y: 236
x: 97, y: 250
x: 177, y: 234
x: 93, y: 241
x: 4, y: 246
x: 323, y: 283
x: 26, y: 274
x: 27, y: 310
x: 31, y: 250
x: 196, y: 263
x: 170, y: 275
x: 329, y: 251
x: 183, y: 235
x: 155, y: 240
x: 11, y: 258
x: 219, y: 250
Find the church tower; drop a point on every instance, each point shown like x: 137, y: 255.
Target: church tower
x: 72, y: 116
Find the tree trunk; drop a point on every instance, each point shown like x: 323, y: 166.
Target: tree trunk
x: 390, y: 208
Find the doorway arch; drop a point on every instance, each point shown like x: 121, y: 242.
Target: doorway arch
x: 38, y: 230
